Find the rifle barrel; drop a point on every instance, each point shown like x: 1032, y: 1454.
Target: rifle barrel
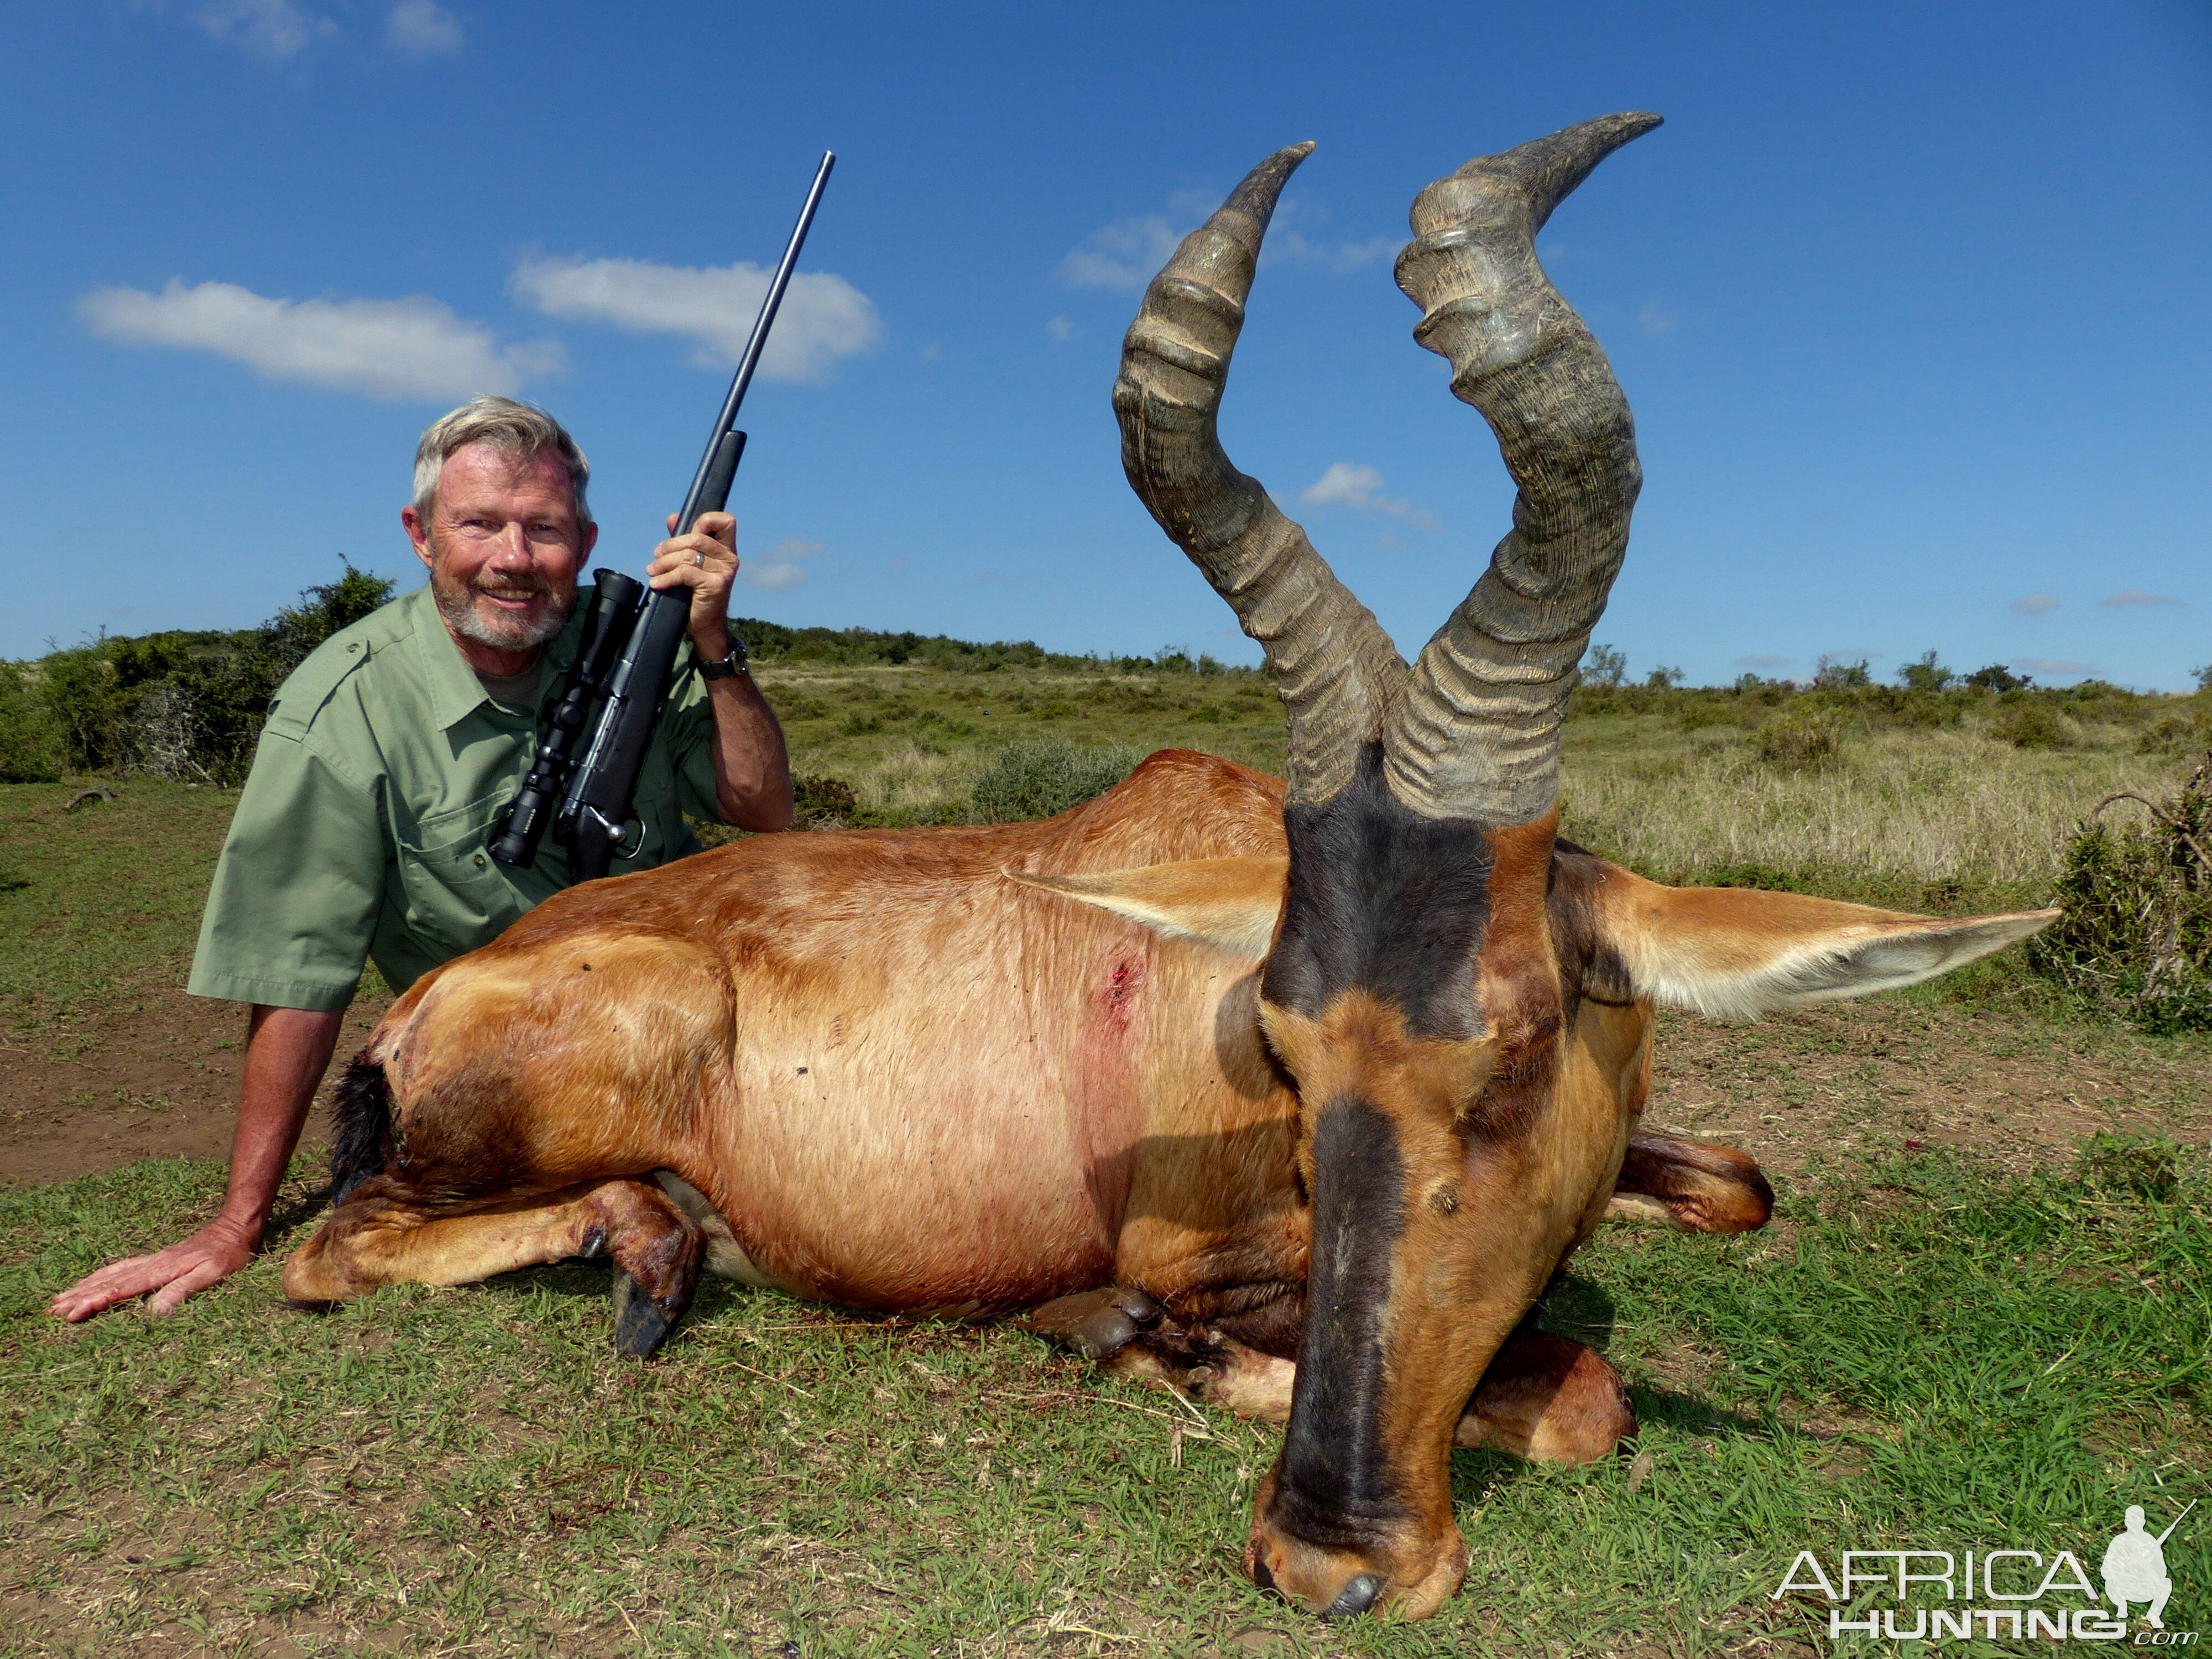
x: 694, y: 501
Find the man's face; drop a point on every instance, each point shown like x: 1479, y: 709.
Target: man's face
x: 503, y: 547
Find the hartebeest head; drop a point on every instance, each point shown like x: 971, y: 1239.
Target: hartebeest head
x: 1463, y: 1004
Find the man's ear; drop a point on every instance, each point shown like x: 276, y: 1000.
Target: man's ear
x: 418, y: 534
x: 1232, y: 904
x: 1733, y: 953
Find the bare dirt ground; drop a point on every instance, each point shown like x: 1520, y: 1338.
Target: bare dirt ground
x: 1853, y: 1080
x: 1794, y: 1090
x: 159, y: 1081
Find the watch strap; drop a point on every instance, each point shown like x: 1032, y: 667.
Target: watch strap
x: 724, y: 668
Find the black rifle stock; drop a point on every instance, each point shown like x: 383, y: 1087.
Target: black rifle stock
x: 611, y: 699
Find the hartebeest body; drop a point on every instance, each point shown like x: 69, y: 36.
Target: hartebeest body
x: 1292, y: 1095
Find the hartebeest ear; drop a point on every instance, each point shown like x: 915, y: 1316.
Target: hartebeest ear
x: 1232, y: 904
x: 1733, y: 952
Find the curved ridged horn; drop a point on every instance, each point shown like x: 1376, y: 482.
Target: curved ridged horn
x: 1477, y: 732
x: 1332, y: 663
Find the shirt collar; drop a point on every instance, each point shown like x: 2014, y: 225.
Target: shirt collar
x: 454, y: 690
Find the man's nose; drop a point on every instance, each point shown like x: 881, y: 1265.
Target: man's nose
x: 512, y: 551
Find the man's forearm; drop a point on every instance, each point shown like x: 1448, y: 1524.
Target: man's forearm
x: 753, y: 773
x: 287, y: 1052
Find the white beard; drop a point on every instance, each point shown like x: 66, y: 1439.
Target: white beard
x: 501, y: 631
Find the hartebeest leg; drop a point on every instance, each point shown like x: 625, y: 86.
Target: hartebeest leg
x: 1691, y: 1184
x: 385, y: 1234
x: 1548, y: 1400
x: 1544, y: 1399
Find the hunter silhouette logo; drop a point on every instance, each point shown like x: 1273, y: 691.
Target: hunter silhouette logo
x: 2134, y: 1568
x: 1997, y: 1595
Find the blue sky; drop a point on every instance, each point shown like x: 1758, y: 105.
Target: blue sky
x: 1911, y: 302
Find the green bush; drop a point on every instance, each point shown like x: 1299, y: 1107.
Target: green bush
x: 1026, y: 781
x: 1802, y: 739
x: 2136, y: 941
x: 30, y: 742
x: 185, y: 706
x: 2035, y: 724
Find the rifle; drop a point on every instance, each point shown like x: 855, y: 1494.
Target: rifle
x: 611, y: 699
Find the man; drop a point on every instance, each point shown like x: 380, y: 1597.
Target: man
x: 389, y: 757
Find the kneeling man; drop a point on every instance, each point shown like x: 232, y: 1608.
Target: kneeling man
x: 389, y: 759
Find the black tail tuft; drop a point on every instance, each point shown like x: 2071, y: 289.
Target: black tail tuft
x: 364, y: 1112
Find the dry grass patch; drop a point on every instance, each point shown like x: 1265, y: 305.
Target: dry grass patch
x: 1923, y: 808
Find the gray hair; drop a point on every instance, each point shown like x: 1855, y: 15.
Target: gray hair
x: 519, y: 430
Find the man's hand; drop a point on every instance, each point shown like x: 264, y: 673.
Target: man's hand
x: 216, y: 1251
x: 705, y: 561
x: 287, y: 1051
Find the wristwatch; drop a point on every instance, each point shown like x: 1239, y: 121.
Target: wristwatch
x: 729, y: 667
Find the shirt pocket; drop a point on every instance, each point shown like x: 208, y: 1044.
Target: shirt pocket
x: 454, y: 898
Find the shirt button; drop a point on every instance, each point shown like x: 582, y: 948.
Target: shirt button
x: 480, y: 860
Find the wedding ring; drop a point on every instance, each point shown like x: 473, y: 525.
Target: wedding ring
x: 701, y: 557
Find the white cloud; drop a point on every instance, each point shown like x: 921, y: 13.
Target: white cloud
x: 274, y: 29
x: 1061, y: 329
x: 1360, y: 487
x: 778, y: 568
x: 1123, y: 256
x: 2033, y: 605
x: 414, y: 348
x: 1654, y: 319
x: 422, y: 29
x: 823, y: 316
x: 2130, y: 597
x: 1290, y: 248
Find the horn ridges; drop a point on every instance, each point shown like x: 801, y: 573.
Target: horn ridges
x: 1476, y: 734
x: 1333, y: 667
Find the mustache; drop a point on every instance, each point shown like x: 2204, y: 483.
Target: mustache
x: 513, y: 587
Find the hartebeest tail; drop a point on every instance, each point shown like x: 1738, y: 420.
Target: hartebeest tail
x: 363, y: 1144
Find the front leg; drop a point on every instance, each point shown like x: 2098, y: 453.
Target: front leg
x: 1543, y: 1398
x: 1695, y: 1185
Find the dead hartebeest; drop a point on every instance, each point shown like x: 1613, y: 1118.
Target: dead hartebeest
x: 1292, y: 1096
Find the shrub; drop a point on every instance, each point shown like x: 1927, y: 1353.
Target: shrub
x: 30, y: 742
x: 189, y: 707
x: 1926, y: 675
x: 1832, y: 672
x: 1604, y: 665
x: 1026, y: 781
x: 1996, y: 677
x: 1800, y: 740
x: 821, y: 803
x: 2036, y: 725
x: 2137, y: 938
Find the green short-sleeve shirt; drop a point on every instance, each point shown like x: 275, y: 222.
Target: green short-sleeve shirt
x: 382, y: 773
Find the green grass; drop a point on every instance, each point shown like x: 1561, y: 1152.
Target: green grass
x: 1913, y: 1354
x: 97, y: 901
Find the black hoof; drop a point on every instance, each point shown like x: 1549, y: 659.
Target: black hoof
x: 640, y: 1325
x: 1106, y: 1332
x: 1356, y: 1597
